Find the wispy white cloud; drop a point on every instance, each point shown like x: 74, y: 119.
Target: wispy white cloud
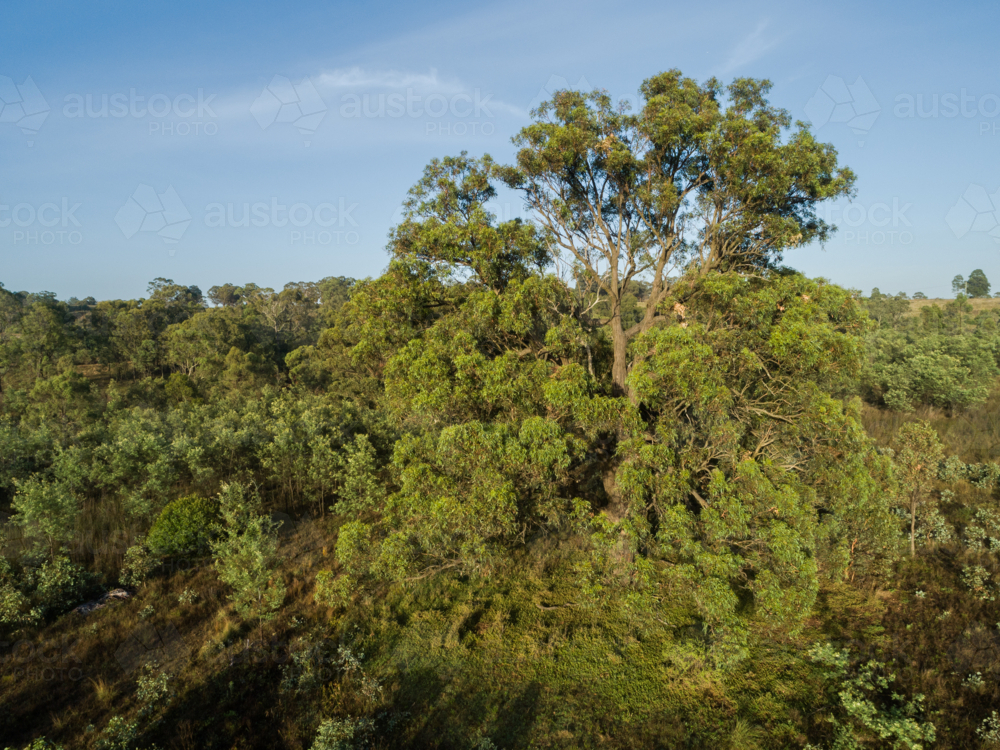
x: 360, y: 78
x: 334, y: 84
x: 749, y: 49
x: 357, y: 80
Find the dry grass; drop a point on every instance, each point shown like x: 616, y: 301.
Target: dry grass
x: 972, y: 435
x: 71, y: 674
x: 104, y: 692
x: 978, y: 304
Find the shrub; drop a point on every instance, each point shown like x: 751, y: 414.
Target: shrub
x: 977, y: 581
x: 59, y: 584
x: 934, y: 529
x: 906, y: 369
x: 984, y: 534
x: 15, y: 609
x: 183, y: 527
x: 333, y: 590
x: 153, y: 690
x: 343, y: 734
x: 866, y: 704
x: 305, y: 669
x: 989, y: 731
x: 137, y: 566
x: 119, y: 734
x: 41, y: 744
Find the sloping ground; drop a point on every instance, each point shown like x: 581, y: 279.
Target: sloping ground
x: 505, y: 662
x: 509, y: 659
x: 451, y: 663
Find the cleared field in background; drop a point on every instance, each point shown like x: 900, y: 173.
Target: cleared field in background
x: 978, y: 304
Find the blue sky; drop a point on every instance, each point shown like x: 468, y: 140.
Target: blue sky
x: 165, y: 121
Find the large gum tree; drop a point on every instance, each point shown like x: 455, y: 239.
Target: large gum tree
x: 699, y: 178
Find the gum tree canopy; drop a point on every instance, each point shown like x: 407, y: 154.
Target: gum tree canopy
x: 717, y: 476
x: 699, y: 176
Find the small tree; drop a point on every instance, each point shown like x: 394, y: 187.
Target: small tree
x: 917, y: 458
x: 919, y: 295
x: 47, y: 510
x: 137, y: 566
x: 245, y: 553
x: 958, y: 285
x: 977, y: 285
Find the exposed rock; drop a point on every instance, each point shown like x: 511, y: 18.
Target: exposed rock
x: 115, y: 595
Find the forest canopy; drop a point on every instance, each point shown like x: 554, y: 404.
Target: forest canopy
x: 625, y: 416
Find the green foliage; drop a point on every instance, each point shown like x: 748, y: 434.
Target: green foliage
x: 183, y: 527
x: 983, y: 534
x: 119, y: 734
x: 886, y: 310
x: 153, y: 691
x: 917, y: 458
x: 869, y: 713
x: 984, y: 475
x: 333, y: 590
x: 305, y: 670
x: 245, y: 553
x: 989, y: 730
x: 137, y: 565
x: 36, y: 591
x: 722, y: 158
x: 361, y: 487
x: 644, y: 474
x: 46, y: 510
x: 908, y: 369
x: 343, y: 734
x: 977, y: 284
x: 708, y: 485
x: 15, y: 606
x: 58, y: 584
x: 933, y: 528
x: 40, y: 744
x: 977, y: 580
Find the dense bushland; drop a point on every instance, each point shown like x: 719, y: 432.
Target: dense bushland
x: 617, y: 477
